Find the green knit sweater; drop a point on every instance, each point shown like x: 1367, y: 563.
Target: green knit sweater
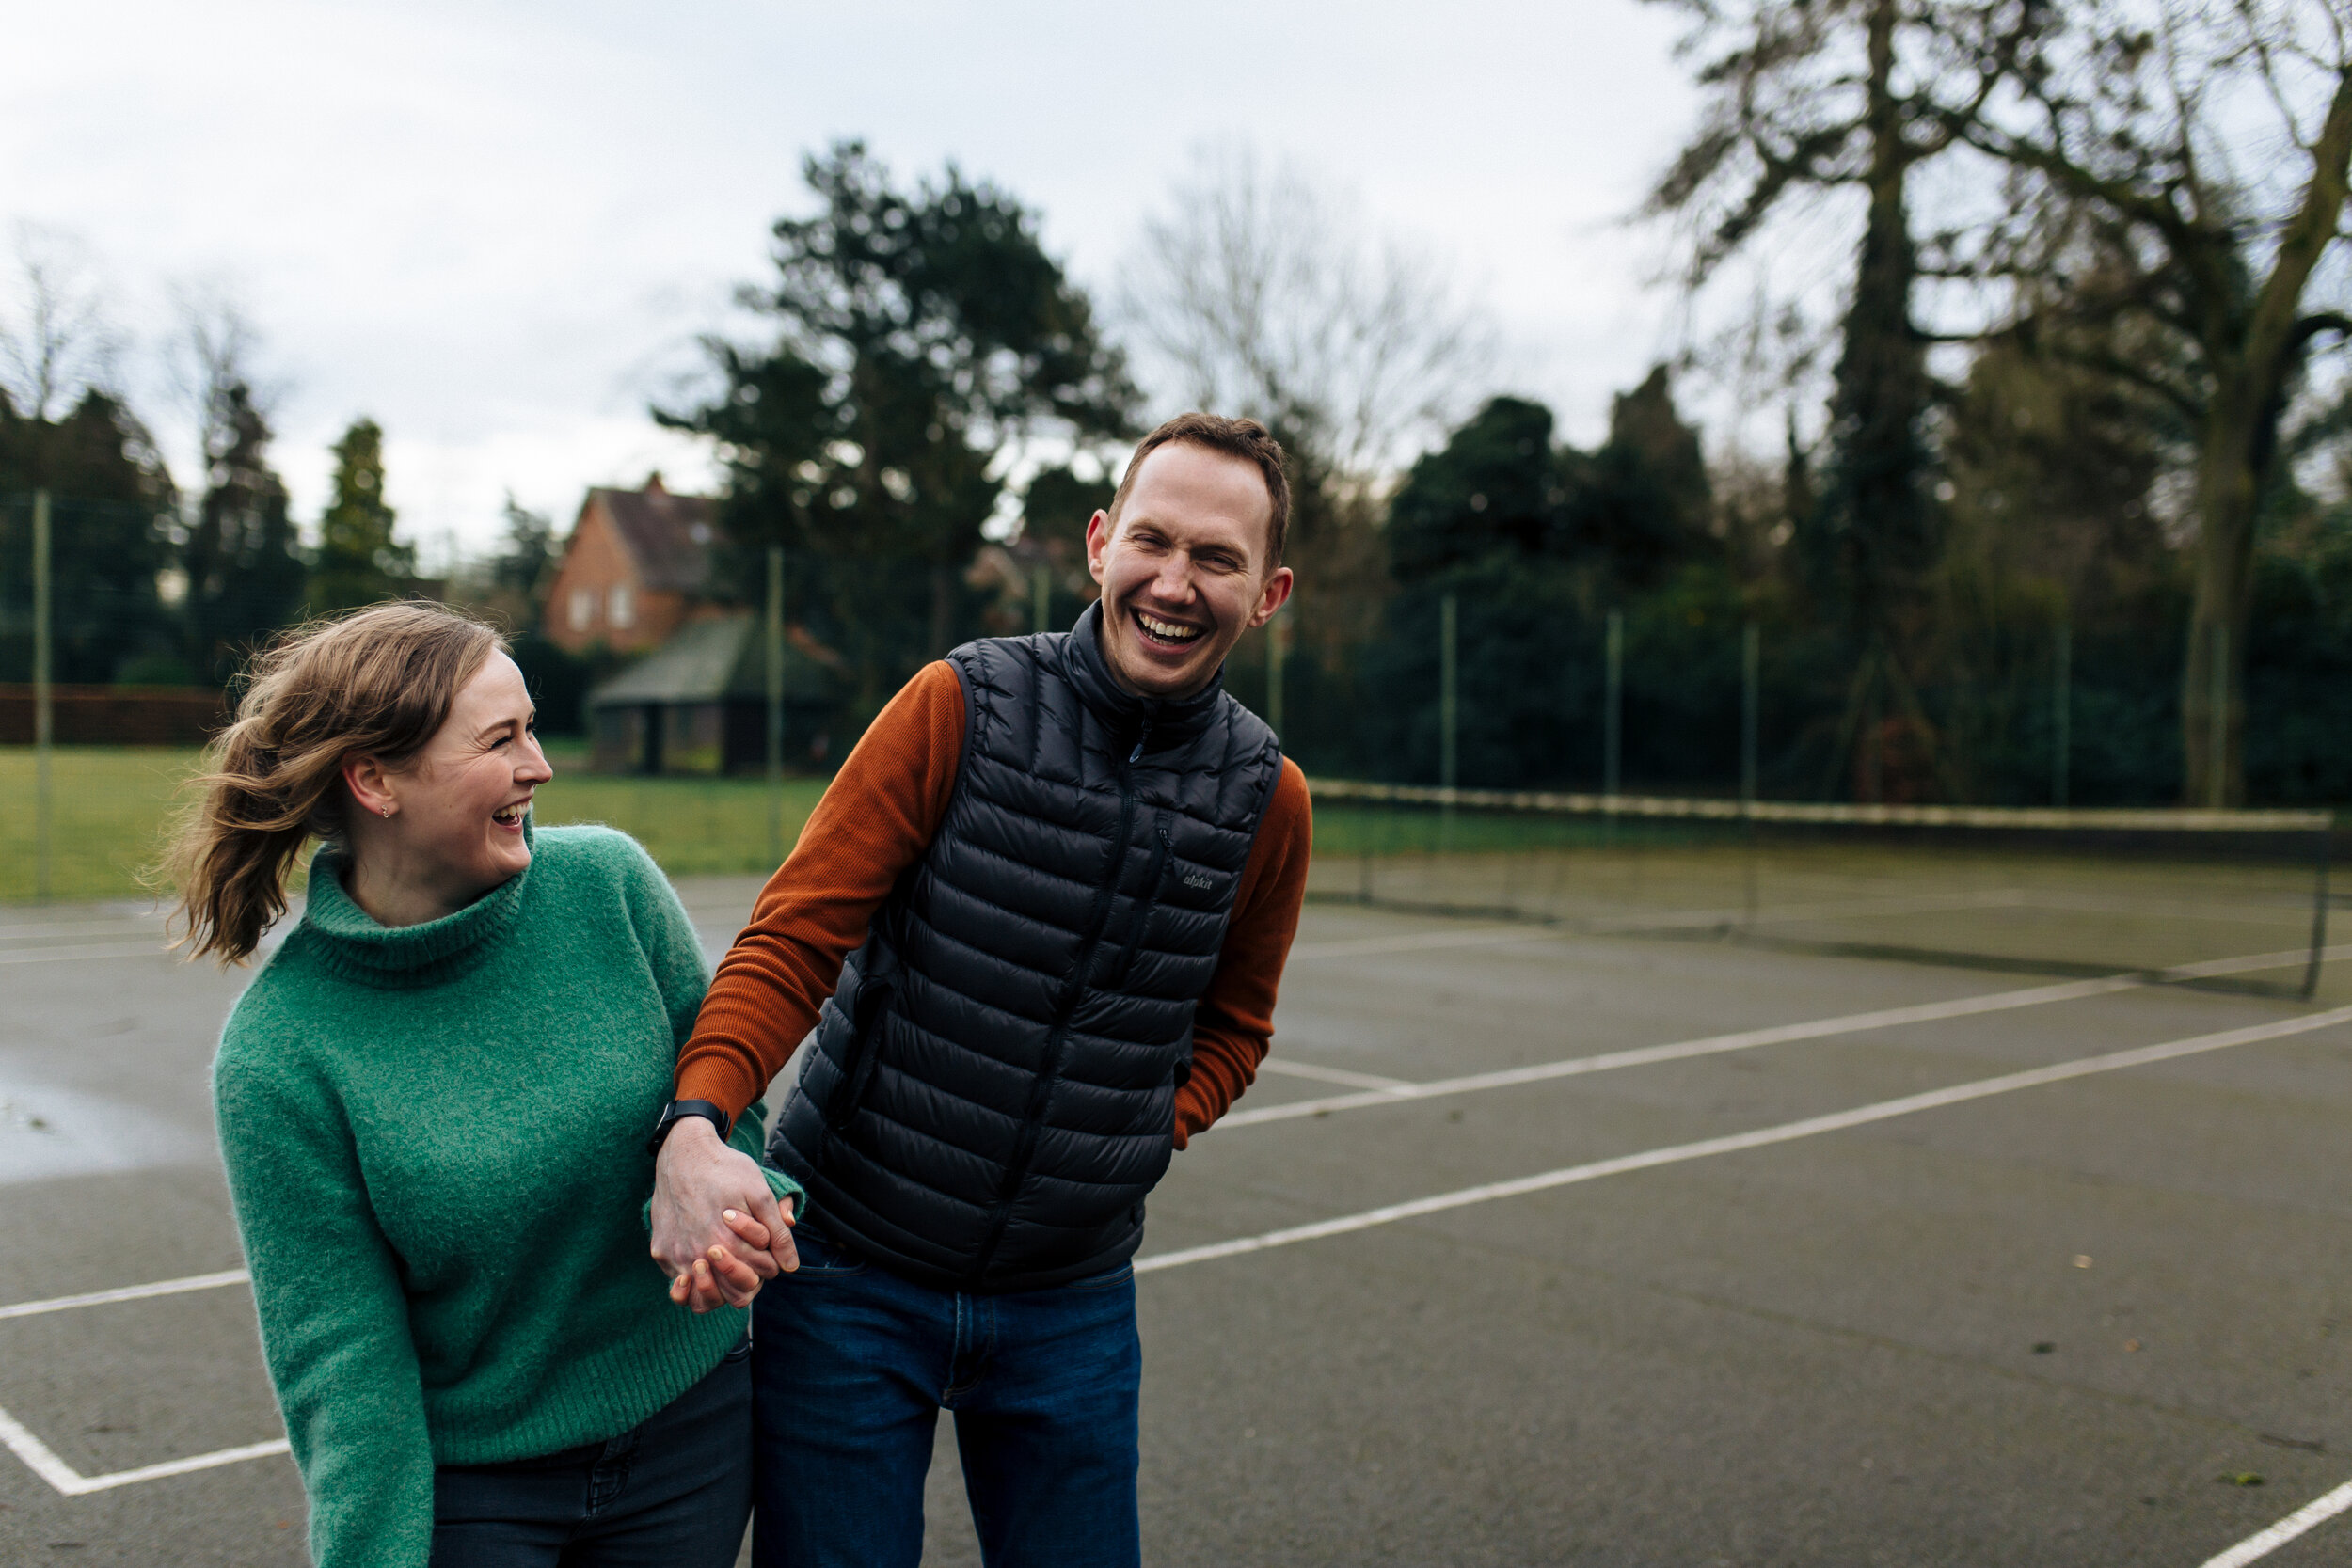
x: 435, y: 1138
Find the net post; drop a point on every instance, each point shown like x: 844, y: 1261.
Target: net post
x: 775, y: 705
x: 2061, y: 712
x: 1041, y: 598
x: 44, y: 714
x: 2319, y: 906
x: 1449, y: 712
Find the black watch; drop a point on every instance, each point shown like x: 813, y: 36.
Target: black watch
x: 678, y: 1111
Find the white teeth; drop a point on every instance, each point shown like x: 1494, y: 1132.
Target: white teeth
x: 1168, y: 630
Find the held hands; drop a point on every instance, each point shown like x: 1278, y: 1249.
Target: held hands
x: 718, y: 1232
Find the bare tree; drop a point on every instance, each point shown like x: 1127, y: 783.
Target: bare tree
x: 1259, y: 291
x: 210, y: 365
x: 2187, y: 170
x: 55, y: 339
x: 1807, y: 101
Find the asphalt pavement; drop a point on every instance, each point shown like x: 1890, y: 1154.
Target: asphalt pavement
x: 1856, y: 1291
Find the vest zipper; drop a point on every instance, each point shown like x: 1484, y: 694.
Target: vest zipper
x: 1049, y: 1063
x: 1150, y: 901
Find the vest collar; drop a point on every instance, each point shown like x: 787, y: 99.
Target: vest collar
x: 348, y: 940
x: 1156, y: 723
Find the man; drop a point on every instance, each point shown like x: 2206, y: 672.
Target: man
x: 1070, y: 866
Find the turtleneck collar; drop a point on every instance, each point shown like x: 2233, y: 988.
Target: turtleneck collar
x: 349, y: 941
x: 1156, y: 722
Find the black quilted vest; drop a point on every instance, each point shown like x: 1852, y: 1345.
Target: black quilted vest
x: 993, y: 1088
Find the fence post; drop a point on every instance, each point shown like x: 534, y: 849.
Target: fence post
x: 2218, y: 727
x: 2062, y: 712
x: 1277, y: 649
x: 1612, y: 712
x: 1449, y: 712
x: 1751, y: 673
x: 1751, y: 716
x: 775, y: 705
x: 1041, y: 597
x: 45, y: 718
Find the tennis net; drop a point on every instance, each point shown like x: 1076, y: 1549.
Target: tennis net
x: 2237, y: 899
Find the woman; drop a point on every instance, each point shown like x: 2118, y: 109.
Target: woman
x: 460, y: 1048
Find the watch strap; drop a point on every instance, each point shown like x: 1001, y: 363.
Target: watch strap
x: 678, y: 1111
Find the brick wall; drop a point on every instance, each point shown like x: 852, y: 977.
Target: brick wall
x: 580, y: 602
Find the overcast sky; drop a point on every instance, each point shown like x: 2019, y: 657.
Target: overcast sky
x: 497, y: 229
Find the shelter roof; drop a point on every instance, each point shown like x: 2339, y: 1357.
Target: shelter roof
x: 711, y: 660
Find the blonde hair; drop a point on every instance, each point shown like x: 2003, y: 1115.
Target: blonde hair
x: 380, y: 681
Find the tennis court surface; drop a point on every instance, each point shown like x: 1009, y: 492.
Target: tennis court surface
x: 1835, y: 1232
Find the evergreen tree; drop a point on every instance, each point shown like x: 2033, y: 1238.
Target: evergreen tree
x: 527, y: 556
x: 111, y: 507
x: 919, y: 334
x: 359, y: 560
x: 242, y: 557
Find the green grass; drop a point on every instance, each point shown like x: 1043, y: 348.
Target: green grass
x: 689, y: 824
x: 110, y: 805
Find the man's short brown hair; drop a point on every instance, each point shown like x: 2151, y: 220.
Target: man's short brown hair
x: 1243, y: 439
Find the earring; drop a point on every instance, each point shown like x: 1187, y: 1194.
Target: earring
x: 388, y: 810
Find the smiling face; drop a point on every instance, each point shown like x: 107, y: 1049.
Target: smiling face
x: 1183, y: 569
x: 440, y: 829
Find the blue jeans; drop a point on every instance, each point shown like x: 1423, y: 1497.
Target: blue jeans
x: 852, y: 1366
x: 672, y: 1492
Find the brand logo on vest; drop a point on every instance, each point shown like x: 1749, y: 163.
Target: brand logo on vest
x: 1197, y: 879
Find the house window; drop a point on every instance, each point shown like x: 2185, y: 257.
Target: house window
x: 584, y: 609
x: 622, y: 607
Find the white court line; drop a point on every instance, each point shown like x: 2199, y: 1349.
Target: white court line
x: 116, y: 924
x: 1846, y: 909
x: 2263, y: 1543
x: 1415, y: 942
x: 2114, y: 1061
x: 1569, y: 927
x: 1748, y: 1039
x: 109, y: 950
x: 1339, y: 1075
x: 42, y: 1461
x: 126, y: 1292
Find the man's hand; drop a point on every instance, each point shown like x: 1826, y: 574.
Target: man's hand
x: 697, y: 1181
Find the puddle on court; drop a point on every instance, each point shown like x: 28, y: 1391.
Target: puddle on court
x: 47, y: 1133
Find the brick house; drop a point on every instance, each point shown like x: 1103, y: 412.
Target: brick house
x: 637, y: 565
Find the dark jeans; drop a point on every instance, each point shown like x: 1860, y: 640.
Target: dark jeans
x: 673, y: 1491
x: 854, y: 1366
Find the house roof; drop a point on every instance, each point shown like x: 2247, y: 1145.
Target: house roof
x: 708, y: 661
x: 669, y: 537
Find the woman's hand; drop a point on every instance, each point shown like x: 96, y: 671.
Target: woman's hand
x: 698, y: 1182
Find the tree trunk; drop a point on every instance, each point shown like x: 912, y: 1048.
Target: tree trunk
x: 1879, y: 523
x: 2229, y: 495
x: 2253, y: 366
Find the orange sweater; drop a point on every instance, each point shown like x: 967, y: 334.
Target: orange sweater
x: 877, y: 819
